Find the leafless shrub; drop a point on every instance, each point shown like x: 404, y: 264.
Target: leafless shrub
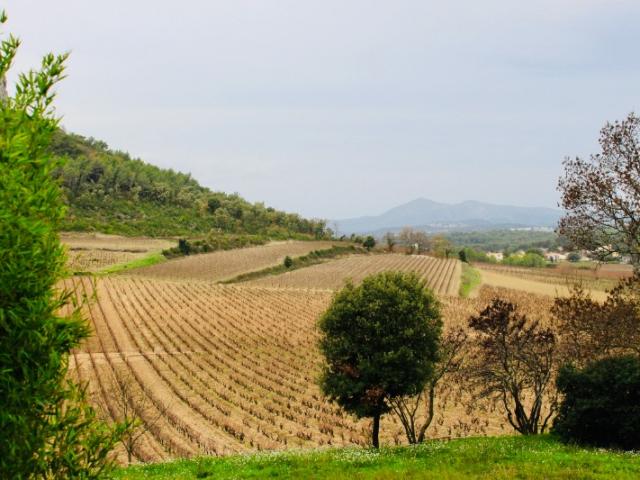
x: 410, y: 410
x: 514, y: 362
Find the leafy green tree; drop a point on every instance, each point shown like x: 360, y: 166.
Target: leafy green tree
x: 288, y: 262
x: 47, y: 428
x: 369, y: 242
x: 380, y: 342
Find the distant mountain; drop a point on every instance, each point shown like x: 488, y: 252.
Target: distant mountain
x: 432, y: 216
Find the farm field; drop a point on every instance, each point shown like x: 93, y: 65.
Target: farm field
x: 593, y: 277
x: 92, y: 252
x: 442, y: 275
x: 493, y: 278
x: 222, y: 265
x: 226, y: 369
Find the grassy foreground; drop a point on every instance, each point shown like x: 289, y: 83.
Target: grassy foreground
x: 146, y: 261
x: 470, y: 280
x: 540, y: 457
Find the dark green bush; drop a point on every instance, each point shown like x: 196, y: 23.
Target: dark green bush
x: 601, y: 405
x: 288, y: 262
x: 184, y: 247
x: 369, y: 242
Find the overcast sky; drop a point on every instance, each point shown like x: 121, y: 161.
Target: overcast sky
x: 344, y: 108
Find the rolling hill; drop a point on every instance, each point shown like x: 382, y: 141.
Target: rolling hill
x: 108, y: 191
x: 442, y: 217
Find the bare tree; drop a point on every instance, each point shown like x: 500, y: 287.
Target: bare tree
x: 390, y: 240
x: 590, y: 330
x: 410, y: 409
x: 602, y: 194
x: 441, y: 246
x: 132, y: 407
x: 515, y: 362
x: 414, y: 239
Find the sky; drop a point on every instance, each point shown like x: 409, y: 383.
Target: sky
x: 337, y: 109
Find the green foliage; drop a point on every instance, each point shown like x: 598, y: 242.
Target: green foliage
x: 473, y: 255
x: 369, y: 242
x: 147, y: 261
x: 47, y: 428
x: 213, y: 243
x: 601, y: 405
x: 470, y: 280
x: 108, y: 191
x: 288, y: 262
x: 380, y: 342
x: 184, y: 247
x: 462, y: 255
x: 511, y: 240
x: 536, y: 457
x: 530, y: 259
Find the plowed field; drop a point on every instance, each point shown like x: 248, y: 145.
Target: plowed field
x: 442, y: 275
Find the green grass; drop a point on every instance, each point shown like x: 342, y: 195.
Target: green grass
x: 470, y: 280
x: 535, y: 457
x: 149, y: 260
x: 312, y: 258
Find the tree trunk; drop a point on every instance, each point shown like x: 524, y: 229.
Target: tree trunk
x: 375, y: 431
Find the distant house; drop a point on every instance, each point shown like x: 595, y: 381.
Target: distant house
x: 497, y: 255
x: 555, y: 257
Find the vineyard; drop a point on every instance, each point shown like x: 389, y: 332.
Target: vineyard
x: 222, y: 265
x: 596, y: 277
x: 219, y: 369
x: 442, y: 275
x: 557, y: 286
x: 94, y: 252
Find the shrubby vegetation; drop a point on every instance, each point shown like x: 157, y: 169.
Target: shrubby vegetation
x: 47, y: 428
x: 213, y: 243
x: 601, y: 405
x: 528, y: 259
x: 108, y: 191
x: 468, y: 254
x: 507, y: 240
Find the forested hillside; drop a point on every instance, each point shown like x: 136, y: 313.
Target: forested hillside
x: 108, y: 191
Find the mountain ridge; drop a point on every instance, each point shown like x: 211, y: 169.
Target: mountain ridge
x: 435, y: 216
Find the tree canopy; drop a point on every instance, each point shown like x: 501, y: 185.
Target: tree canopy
x: 380, y: 341
x: 602, y: 194
x: 108, y: 191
